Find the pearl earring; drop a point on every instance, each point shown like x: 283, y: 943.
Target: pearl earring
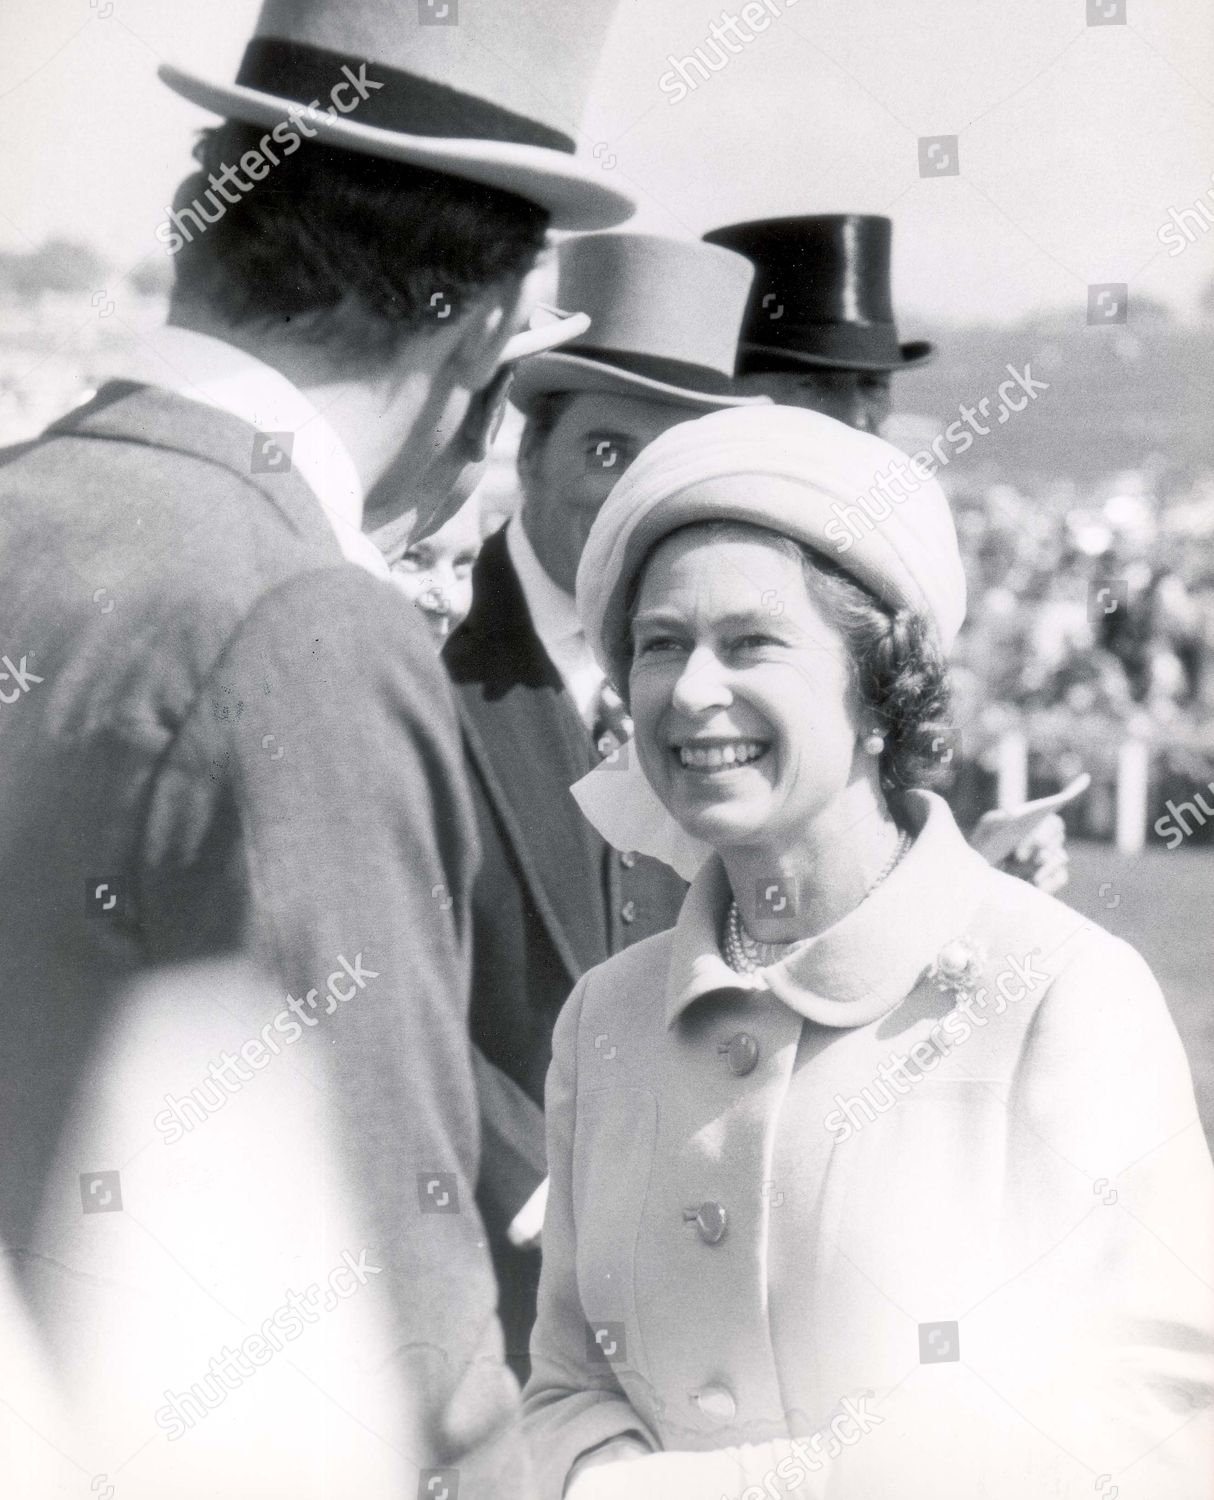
x: 874, y: 743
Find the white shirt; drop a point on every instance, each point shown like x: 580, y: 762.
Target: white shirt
x: 554, y: 616
x: 218, y: 374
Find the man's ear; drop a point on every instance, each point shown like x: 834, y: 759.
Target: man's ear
x: 484, y: 329
x: 529, y: 445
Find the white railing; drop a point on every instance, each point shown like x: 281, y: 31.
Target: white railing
x: 1133, y: 785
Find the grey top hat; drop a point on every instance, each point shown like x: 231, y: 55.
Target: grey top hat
x: 494, y: 96
x: 665, y: 315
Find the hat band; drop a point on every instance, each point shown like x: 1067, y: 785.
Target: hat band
x: 404, y: 102
x: 677, y: 372
x: 827, y: 340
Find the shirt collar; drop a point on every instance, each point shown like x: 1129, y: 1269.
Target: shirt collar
x: 553, y: 611
x: 218, y: 374
x: 864, y: 965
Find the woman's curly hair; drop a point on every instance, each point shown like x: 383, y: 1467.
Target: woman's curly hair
x: 900, y: 676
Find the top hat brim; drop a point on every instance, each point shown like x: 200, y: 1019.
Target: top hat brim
x: 914, y: 352
x: 548, y: 329
x: 550, y: 374
x: 574, y: 197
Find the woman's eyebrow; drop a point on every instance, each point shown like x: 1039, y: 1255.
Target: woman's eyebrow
x: 763, y: 617
x: 657, y: 617
x: 735, y: 618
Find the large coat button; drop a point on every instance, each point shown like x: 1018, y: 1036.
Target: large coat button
x: 628, y: 912
x: 742, y: 1053
x: 717, y: 1402
x: 711, y: 1222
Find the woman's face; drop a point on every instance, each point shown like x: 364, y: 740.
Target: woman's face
x: 435, y: 573
x: 746, y: 721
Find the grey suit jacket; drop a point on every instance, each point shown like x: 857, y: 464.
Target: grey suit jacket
x: 250, y: 745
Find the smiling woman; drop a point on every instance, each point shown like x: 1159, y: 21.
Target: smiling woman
x: 748, y: 724
x: 793, y: 1237
x: 899, y: 674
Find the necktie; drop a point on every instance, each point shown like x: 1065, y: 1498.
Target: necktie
x: 612, y: 725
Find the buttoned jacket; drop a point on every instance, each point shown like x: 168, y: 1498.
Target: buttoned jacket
x: 945, y: 1160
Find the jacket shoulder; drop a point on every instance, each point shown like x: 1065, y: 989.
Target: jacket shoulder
x: 631, y: 983
x: 1092, y: 995
x: 1014, y: 915
x: 145, y: 512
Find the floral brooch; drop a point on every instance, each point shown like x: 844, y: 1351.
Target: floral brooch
x: 957, y: 969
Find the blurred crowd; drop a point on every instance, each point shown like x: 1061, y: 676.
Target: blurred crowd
x: 1091, y: 623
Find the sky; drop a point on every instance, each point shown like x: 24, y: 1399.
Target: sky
x: 1075, y: 142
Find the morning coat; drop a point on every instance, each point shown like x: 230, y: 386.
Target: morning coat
x: 229, y: 742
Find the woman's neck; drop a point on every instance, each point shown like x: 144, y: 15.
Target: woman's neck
x: 799, y: 887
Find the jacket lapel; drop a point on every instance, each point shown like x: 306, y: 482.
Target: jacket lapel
x: 529, y: 746
x: 127, y: 412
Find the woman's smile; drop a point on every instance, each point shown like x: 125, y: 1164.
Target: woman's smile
x: 718, y: 757
x: 744, y: 720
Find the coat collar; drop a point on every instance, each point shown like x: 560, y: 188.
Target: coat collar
x: 529, y: 745
x: 865, y: 964
x: 123, y: 411
x: 554, y: 620
x: 220, y: 375
x: 497, y: 646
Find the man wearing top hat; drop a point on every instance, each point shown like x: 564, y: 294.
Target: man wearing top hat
x: 819, y: 329
x: 820, y: 333
x: 551, y: 898
x: 236, y: 844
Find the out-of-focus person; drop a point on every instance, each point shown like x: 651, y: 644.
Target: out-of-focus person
x: 236, y: 843
x: 435, y: 572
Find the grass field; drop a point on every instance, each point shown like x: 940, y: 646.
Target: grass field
x: 1162, y: 902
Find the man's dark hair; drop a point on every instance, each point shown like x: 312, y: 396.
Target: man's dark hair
x: 355, y: 250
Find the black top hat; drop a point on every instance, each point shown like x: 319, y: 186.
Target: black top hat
x: 821, y: 294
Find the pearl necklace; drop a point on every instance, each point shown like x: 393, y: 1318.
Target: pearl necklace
x: 745, y: 954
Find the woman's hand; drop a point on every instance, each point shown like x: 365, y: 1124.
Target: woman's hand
x: 613, y: 1456
x: 692, y: 1476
